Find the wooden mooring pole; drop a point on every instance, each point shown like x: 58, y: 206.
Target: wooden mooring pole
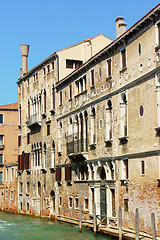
x: 137, y: 224
x: 80, y: 217
x: 153, y: 226
x: 120, y: 222
x: 94, y: 219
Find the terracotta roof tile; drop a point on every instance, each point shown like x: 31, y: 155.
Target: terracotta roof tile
x: 9, y: 106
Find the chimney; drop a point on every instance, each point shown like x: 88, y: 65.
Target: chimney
x: 24, y: 52
x: 120, y: 26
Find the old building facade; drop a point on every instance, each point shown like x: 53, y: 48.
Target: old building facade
x: 8, y: 157
x: 93, y: 137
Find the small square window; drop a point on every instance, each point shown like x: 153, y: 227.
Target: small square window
x: 1, y: 118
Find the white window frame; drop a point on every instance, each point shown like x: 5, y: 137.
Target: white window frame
x: 3, y: 118
x: 157, y: 41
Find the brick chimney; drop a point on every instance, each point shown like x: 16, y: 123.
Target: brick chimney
x: 120, y: 26
x: 24, y: 52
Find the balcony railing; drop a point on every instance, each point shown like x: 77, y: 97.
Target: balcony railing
x: 76, y: 145
x: 33, y: 120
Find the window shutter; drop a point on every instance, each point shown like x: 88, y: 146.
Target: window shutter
x: 109, y: 67
x: 19, y: 157
x: 67, y: 173
x: 158, y: 33
x: 22, y: 161
x: 53, y: 98
x: 60, y: 97
x: 123, y: 58
x: 70, y: 88
x: 92, y: 76
x: 143, y: 170
x: 58, y: 174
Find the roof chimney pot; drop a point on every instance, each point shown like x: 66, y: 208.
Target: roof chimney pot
x: 24, y: 52
x: 120, y: 26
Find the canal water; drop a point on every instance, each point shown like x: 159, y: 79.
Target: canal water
x: 20, y: 227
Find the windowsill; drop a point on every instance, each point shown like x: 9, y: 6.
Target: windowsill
x: 157, y: 47
x: 123, y: 70
x: 108, y: 78
x: 80, y: 93
x: 108, y: 141
x: 27, y: 194
x: 92, y: 87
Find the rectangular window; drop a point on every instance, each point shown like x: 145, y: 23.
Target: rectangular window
x: 126, y: 205
x: 28, y: 138
x: 69, y: 64
x: 1, y: 158
x: 11, y: 194
x: 19, y: 140
x: 36, y: 76
x: 70, y: 91
x: 123, y: 54
x: 78, y: 64
x: 6, y: 194
x: 1, y: 177
x: 109, y: 72
x: 48, y: 69
x: 73, y: 64
x: 21, y: 187
x: 6, y: 174
x: 48, y: 129
x: 1, y: 140
x: 28, y: 187
x: 12, y: 174
x: 76, y: 203
x: 158, y: 26
x: 53, y: 97
x: 60, y: 201
x: 45, y: 101
x: 100, y: 73
x: 126, y: 166
x: 60, y: 98
x: 86, y: 203
x: 70, y: 202
x: 1, y: 118
x: 142, y: 168
x: 92, y: 77
x: 52, y: 65
x: 44, y: 71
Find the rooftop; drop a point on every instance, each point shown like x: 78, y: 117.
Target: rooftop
x: 11, y: 106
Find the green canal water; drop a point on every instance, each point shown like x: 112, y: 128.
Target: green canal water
x: 19, y: 227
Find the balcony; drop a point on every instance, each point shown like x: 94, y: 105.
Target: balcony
x: 76, y: 147
x: 34, y: 121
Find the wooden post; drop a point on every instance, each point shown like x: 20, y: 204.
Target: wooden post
x: 80, y: 217
x: 120, y: 222
x: 94, y: 219
x: 153, y: 226
x: 137, y: 224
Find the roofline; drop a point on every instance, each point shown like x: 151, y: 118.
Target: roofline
x: 48, y: 59
x: 133, y: 27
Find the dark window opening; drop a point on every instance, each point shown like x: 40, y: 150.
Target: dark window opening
x: 109, y: 67
x: 126, y: 205
x: 123, y: 52
x: 48, y: 129
x: 142, y: 167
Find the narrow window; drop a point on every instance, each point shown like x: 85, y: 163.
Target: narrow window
x: 1, y: 159
x: 60, y: 201
x: 60, y: 97
x: 68, y: 173
x: 123, y: 53
x: 86, y: 203
x: 76, y: 202
x: 19, y: 141
x: 12, y: 174
x: 53, y: 97
x: 45, y: 102
x: 6, y: 194
x: 158, y: 33
x: 58, y: 174
x: 48, y: 69
x: 142, y: 168
x: 44, y: 71
x: 139, y: 48
x: 1, y: 177
x: 28, y: 138
x: 126, y: 205
x: 1, y: 118
x: 70, y: 91
x: 11, y: 195
x: 20, y: 114
x: 92, y: 77
x: 48, y: 129
x: 100, y: 73
x: 70, y: 202
x: 109, y: 67
x: 52, y: 65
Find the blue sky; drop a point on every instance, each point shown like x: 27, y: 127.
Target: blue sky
x: 50, y: 25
